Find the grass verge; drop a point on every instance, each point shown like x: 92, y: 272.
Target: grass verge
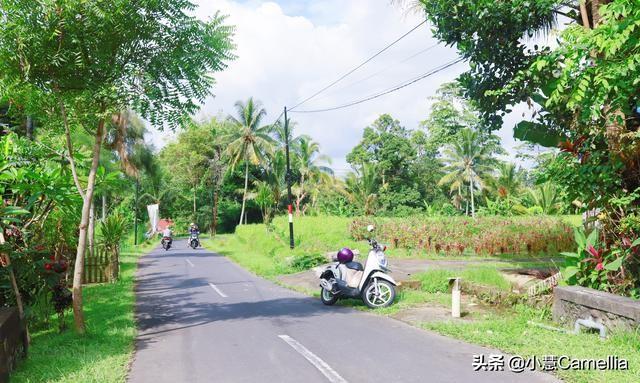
x: 511, y: 332
x: 104, y: 353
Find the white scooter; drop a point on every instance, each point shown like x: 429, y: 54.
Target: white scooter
x: 371, y: 283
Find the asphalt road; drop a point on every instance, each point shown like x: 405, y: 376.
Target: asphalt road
x: 202, y: 318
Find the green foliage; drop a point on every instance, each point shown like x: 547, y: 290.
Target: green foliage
x: 592, y: 265
x: 469, y: 161
x: 490, y: 35
x: 111, y: 231
x: 110, y: 55
x: 307, y: 261
x: 386, y: 146
x: 104, y: 355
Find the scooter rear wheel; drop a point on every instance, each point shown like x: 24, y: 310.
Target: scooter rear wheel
x: 327, y: 297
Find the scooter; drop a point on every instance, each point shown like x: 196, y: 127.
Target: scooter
x: 194, y: 241
x: 166, y: 243
x: 371, y: 283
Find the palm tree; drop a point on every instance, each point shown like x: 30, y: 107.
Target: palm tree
x: 508, y: 181
x: 249, y: 141
x: 278, y: 133
x: 264, y: 198
x: 275, y: 174
x: 362, y: 187
x: 308, y: 161
x: 470, y: 161
x: 547, y: 197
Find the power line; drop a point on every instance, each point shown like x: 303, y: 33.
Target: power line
x: 388, y: 67
x: 387, y: 91
x: 358, y: 67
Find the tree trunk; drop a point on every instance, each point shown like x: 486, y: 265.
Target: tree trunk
x: 584, y: 14
x: 14, y: 284
x: 29, y: 127
x: 78, y: 271
x: 473, y: 208
x: 194, y: 204
x: 595, y: 11
x: 246, y: 186
x: 300, y: 195
x: 104, y: 207
x: 92, y: 229
x: 214, y: 225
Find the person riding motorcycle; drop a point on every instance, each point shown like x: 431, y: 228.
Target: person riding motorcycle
x: 166, y: 233
x: 193, y: 241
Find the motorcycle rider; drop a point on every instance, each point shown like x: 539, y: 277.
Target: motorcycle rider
x: 166, y: 233
x: 193, y: 232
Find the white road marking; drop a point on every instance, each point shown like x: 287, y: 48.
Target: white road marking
x: 189, y: 262
x: 218, y: 290
x: 318, y: 363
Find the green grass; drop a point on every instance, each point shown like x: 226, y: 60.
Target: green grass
x: 437, y: 280
x: 265, y: 251
x: 104, y: 353
x: 510, y: 332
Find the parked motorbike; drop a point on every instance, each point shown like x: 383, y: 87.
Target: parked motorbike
x: 194, y: 241
x: 372, y: 283
x: 166, y: 243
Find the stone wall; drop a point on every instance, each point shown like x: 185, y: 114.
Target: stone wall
x: 613, y: 311
x: 13, y: 341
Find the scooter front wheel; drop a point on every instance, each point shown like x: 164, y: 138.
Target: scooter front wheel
x: 327, y: 297
x: 379, y: 294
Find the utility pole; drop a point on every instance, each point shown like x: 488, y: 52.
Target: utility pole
x: 135, y: 218
x: 288, y: 177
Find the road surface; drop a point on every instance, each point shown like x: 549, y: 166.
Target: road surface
x: 202, y: 318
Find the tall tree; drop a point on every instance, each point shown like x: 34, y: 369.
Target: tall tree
x: 86, y: 61
x: 309, y: 162
x: 388, y: 145
x: 469, y: 160
x: 248, y: 142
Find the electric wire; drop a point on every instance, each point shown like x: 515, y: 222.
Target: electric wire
x: 386, y: 91
x: 386, y: 68
x: 357, y: 67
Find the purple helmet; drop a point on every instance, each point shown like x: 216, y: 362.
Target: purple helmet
x: 345, y: 255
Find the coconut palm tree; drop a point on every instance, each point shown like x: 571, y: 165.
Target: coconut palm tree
x: 362, y: 187
x: 468, y: 161
x: 275, y: 174
x: 309, y: 165
x: 248, y: 142
x: 508, y: 181
x: 547, y: 197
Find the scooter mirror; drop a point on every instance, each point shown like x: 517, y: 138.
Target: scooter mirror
x: 370, y: 228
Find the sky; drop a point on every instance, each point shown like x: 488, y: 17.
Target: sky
x: 289, y: 49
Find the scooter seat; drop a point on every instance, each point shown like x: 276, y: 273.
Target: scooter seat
x: 357, y: 266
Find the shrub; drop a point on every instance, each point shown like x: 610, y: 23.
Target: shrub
x: 307, y: 261
x: 458, y: 235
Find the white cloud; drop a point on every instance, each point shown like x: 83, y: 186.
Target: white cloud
x: 289, y: 49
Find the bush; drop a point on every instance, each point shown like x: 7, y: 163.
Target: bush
x: 307, y: 261
x: 483, y: 236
